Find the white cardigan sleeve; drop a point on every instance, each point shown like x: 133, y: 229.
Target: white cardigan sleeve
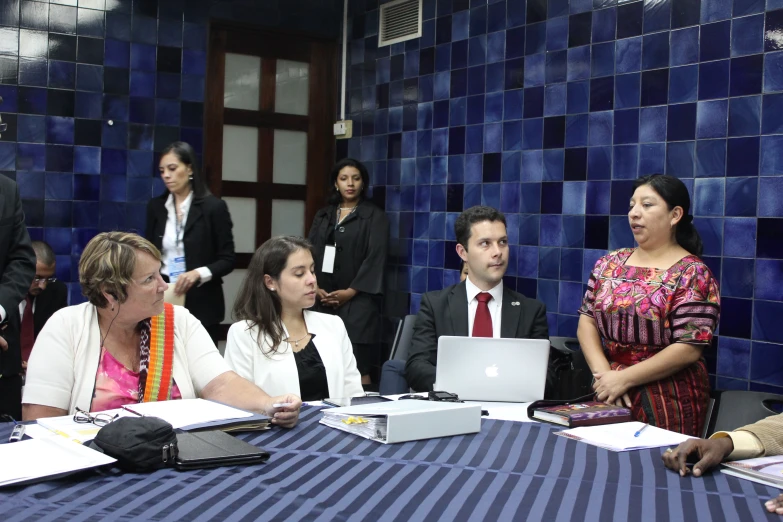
x: 353, y: 380
x: 50, y: 370
x: 204, y: 360
x: 239, y: 352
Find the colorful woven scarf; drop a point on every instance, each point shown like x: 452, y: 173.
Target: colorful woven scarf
x: 157, y: 356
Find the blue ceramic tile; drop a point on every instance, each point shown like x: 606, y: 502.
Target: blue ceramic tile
x: 477, y: 54
x: 746, y: 75
x: 515, y: 43
x: 773, y: 25
x: 627, y: 90
x: 679, y: 159
x: 604, y: 24
x: 496, y: 17
x: 87, y: 160
x: 59, y: 130
x: 742, y: 156
x: 557, y: 34
x: 655, y: 87
x: 746, y: 7
x: 551, y: 226
x: 709, y: 198
x: 62, y: 19
x: 555, y: 97
x: 711, y: 119
x: 144, y: 29
x: 597, y: 198
x: 59, y: 158
x: 769, y: 201
x: 90, y: 23
x: 628, y: 55
x: 556, y: 67
x: 192, y: 88
x: 576, y: 130
x: 512, y: 135
x: 652, y: 158
x: 771, y: 122
x: 86, y: 188
x: 625, y: 161
x: 170, y: 33
x: 57, y: 214
x: 599, y: 163
x: 740, y: 237
x: 578, y: 63
x: 655, y: 51
x: 33, y: 72
x: 684, y: 46
x: 652, y: 124
x: 493, y: 137
x: 711, y: 232
x: 142, y: 57
x: 574, y: 197
x: 771, y: 156
x: 574, y: 164
x: 741, y: 196
x: 119, y: 26
x: 532, y: 134
x: 767, y: 277
x: 554, y: 132
x: 116, y: 53
x: 684, y: 83
x: 657, y: 16
x: 579, y: 30
x: 766, y: 359
x: 29, y: 157
x: 602, y: 60
x: 490, y: 194
x: 554, y: 165
x: 535, y: 38
x: 745, y: 115
x: 626, y: 126
x: 734, y: 358
x: 62, y: 75
x: 114, y: 162
x: 115, y: 136
x: 681, y: 122
x: 535, y: 67
x: 718, y: 35
x: 600, y: 132
x: 511, y: 166
x: 747, y: 35
x: 457, y: 111
x: 551, y: 203
x: 532, y: 165
x: 31, y: 129
x: 712, y: 10
x: 495, y: 47
x: 711, y: 158
x: 769, y: 244
x: 773, y: 72
x: 578, y: 97
x: 601, y: 94
x: 714, y: 80
x: 530, y: 198
x: 533, y: 102
x: 620, y: 235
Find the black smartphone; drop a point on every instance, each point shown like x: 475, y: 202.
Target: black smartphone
x: 354, y: 401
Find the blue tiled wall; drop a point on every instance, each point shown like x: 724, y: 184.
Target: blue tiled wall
x: 548, y: 110
x: 93, y: 88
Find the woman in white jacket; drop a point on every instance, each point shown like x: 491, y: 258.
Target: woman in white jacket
x: 280, y: 345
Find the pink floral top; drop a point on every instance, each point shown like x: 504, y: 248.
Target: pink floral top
x: 116, y: 386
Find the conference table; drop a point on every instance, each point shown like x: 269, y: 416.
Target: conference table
x: 508, y: 471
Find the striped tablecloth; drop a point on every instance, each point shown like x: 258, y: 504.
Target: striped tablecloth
x: 509, y: 471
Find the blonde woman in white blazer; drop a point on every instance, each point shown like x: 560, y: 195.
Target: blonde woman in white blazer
x: 280, y: 345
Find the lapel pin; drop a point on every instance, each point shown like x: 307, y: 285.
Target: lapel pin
x: 514, y: 303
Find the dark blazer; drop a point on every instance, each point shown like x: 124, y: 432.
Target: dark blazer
x: 17, y: 266
x: 445, y: 312
x: 209, y: 242
x: 53, y: 298
x: 362, y: 240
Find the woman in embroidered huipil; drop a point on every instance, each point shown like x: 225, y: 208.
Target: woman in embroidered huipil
x: 650, y: 311
x: 125, y: 345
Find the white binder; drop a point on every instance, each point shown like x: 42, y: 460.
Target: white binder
x: 405, y: 420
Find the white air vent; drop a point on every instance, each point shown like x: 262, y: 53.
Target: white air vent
x: 400, y: 21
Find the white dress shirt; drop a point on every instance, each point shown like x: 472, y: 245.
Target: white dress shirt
x: 23, y: 305
x: 172, y: 243
x: 495, y: 305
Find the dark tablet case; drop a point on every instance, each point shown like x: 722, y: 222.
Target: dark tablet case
x: 211, y: 449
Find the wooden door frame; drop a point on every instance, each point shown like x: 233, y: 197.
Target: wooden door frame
x: 321, y: 54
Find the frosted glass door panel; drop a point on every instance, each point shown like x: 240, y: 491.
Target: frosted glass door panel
x: 243, y: 82
x: 243, y: 215
x: 292, y: 88
x: 288, y: 217
x: 290, y: 161
x: 240, y: 153
x: 231, y: 285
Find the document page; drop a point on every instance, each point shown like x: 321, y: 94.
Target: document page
x: 621, y: 436
x: 187, y: 411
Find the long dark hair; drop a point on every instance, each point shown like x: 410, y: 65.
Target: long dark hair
x: 257, y: 304
x: 675, y: 194
x: 334, y: 194
x: 187, y: 155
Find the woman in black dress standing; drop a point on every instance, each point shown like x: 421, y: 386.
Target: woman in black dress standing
x: 350, y: 238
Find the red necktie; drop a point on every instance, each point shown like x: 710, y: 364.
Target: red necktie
x: 482, y: 324
x: 27, y: 335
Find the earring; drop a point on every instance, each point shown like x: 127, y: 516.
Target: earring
x: 112, y: 308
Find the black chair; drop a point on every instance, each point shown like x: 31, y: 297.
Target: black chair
x: 568, y: 375
x: 732, y: 409
x: 402, y: 340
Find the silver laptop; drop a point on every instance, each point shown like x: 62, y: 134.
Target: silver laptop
x: 487, y: 369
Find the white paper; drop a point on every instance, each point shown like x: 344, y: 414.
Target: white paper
x: 620, y: 436
x: 40, y: 458
x: 79, y: 432
x: 185, y: 412
x: 328, y: 265
x: 508, y: 411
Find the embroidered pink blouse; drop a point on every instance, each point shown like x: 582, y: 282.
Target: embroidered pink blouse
x: 116, y: 386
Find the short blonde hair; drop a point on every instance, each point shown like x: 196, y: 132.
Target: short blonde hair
x: 107, y: 265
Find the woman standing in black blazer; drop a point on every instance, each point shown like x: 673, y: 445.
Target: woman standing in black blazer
x: 354, y: 233
x: 196, y: 241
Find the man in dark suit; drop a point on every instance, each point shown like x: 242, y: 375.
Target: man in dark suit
x: 45, y: 296
x: 479, y: 306
x: 17, y: 268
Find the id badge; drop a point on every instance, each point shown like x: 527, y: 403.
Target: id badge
x: 328, y: 266
x: 176, y: 268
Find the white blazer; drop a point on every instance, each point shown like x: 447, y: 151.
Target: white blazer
x: 276, y: 373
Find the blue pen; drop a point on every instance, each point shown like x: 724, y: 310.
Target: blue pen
x: 639, y: 432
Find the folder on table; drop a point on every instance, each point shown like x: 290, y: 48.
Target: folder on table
x: 405, y: 420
